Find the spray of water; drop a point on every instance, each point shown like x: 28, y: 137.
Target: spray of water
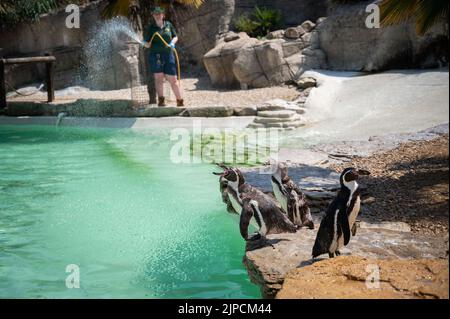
x: 105, y: 40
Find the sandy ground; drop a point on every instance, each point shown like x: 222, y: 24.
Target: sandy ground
x: 197, y: 92
x: 409, y: 184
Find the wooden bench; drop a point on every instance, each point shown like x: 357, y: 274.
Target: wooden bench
x: 49, y: 65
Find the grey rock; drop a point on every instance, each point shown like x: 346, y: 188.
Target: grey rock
x: 231, y: 37
x: 218, y: 61
x: 279, y: 34
x: 284, y: 114
x: 160, y: 111
x: 293, y: 47
x: 245, y: 111
x: 208, y: 111
x: 308, y: 25
x: 278, y: 105
x: 306, y: 82
x: 320, y: 20
x: 269, y: 120
x: 294, y: 32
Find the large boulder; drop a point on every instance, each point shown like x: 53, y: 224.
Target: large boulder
x: 347, y: 276
x: 350, y: 45
x: 255, y: 63
x: 219, y: 60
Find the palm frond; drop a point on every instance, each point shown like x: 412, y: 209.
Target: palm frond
x: 116, y: 8
x: 425, y: 13
x: 429, y: 12
x: 394, y: 12
x: 191, y: 3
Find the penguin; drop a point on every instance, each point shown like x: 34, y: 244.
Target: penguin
x: 223, y: 185
x: 339, y: 221
x: 291, y: 198
x: 258, y: 205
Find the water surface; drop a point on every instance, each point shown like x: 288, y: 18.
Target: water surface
x: 111, y: 202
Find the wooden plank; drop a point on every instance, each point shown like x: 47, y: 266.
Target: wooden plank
x: 39, y: 59
x: 2, y: 86
x: 50, y: 68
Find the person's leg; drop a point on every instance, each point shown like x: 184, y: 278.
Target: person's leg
x: 174, y: 83
x: 170, y: 70
x: 151, y: 89
x: 159, y: 84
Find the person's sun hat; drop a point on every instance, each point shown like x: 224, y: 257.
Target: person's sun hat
x: 158, y: 10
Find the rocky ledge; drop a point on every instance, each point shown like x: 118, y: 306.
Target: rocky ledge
x: 268, y: 266
x: 346, y: 277
x: 378, y: 238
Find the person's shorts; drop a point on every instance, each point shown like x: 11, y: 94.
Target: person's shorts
x: 163, y: 63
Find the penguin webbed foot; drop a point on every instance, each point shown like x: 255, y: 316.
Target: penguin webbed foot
x: 254, y: 237
x: 309, y: 224
x: 331, y: 255
x: 338, y: 253
x: 261, y: 240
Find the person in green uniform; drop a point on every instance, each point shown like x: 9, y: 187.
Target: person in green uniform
x: 162, y: 58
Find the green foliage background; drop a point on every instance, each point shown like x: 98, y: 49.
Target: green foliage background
x: 260, y: 22
x: 16, y: 11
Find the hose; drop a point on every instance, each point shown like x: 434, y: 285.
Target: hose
x: 174, y: 50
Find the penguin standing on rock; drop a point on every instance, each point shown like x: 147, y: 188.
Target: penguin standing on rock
x: 255, y: 204
x: 223, y: 187
x: 340, y: 217
x: 291, y: 198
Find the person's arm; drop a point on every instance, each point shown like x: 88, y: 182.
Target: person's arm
x: 174, y: 36
x: 173, y: 42
x: 145, y: 43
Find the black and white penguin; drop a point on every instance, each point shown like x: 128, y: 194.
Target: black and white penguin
x: 291, y: 198
x: 255, y: 204
x: 339, y: 220
x: 223, y: 187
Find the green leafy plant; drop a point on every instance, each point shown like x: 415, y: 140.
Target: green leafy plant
x: 16, y: 11
x: 245, y: 24
x: 260, y: 23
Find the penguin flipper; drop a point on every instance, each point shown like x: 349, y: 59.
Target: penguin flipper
x: 246, y: 216
x: 345, y: 226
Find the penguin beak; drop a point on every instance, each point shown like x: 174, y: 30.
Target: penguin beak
x: 363, y: 172
x: 218, y: 174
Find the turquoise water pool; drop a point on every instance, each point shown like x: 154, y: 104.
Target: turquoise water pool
x: 112, y: 203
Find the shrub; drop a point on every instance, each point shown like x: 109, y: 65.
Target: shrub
x: 260, y: 23
x: 16, y: 11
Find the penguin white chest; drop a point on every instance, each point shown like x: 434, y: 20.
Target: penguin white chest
x: 234, y: 202
x: 355, y: 211
x: 280, y: 196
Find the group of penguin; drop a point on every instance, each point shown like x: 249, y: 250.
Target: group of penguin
x: 286, y: 210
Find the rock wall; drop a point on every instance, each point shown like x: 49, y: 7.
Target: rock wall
x: 350, y: 45
x: 199, y: 30
x: 49, y: 35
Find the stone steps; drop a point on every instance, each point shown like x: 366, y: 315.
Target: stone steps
x: 279, y: 114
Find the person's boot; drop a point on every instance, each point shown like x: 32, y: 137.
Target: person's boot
x: 180, y: 102
x: 161, y: 101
